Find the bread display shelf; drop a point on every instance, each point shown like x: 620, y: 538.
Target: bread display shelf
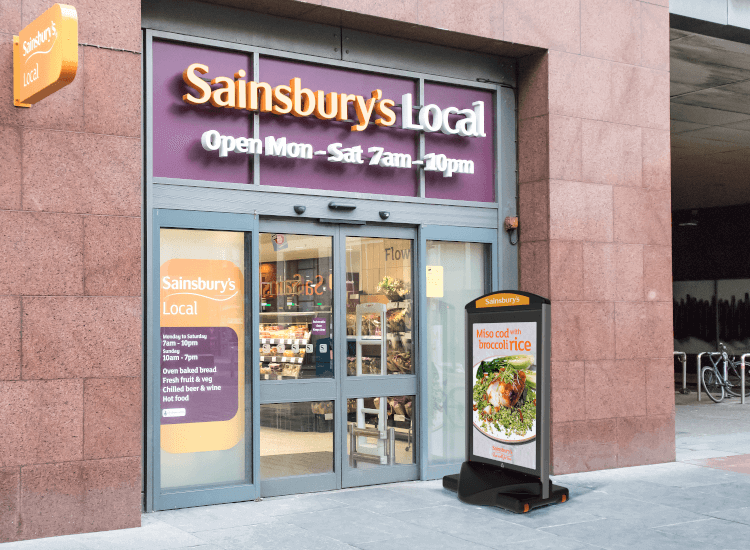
x: 294, y: 312
x: 288, y: 342
x: 278, y: 376
x: 365, y: 340
x: 277, y: 359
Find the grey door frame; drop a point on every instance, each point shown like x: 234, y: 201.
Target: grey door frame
x: 156, y: 499
x: 494, y: 271
x: 340, y: 387
x: 380, y: 385
x: 293, y: 391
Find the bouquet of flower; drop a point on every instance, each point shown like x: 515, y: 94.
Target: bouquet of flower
x: 393, y: 288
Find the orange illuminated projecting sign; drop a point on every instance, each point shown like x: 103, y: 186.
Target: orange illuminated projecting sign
x: 503, y: 299
x: 45, y: 55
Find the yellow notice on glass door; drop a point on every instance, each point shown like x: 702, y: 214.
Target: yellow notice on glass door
x: 434, y: 281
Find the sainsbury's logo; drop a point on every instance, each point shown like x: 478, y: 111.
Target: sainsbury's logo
x: 498, y: 300
x: 41, y: 38
x: 169, y: 283
x: 45, y: 55
x: 511, y: 301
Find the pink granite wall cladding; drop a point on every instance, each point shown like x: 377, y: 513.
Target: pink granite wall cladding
x: 70, y: 352
x: 593, y: 147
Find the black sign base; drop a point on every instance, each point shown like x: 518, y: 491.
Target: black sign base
x: 487, y: 485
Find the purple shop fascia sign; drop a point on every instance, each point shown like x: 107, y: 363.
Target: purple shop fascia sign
x: 320, y: 127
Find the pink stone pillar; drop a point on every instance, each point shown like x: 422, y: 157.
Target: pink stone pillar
x: 70, y: 290
x: 594, y: 193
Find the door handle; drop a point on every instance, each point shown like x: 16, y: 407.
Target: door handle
x: 341, y: 206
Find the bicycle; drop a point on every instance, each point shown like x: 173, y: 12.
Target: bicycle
x: 721, y: 382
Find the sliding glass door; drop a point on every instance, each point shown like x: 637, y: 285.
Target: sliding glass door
x: 379, y: 387
x: 298, y: 386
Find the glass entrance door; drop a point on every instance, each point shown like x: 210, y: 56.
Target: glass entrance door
x: 457, y: 268
x: 379, y: 383
x: 200, y: 390
x: 336, y: 360
x: 298, y: 385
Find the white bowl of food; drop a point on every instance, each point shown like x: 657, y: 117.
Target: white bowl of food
x: 504, y: 398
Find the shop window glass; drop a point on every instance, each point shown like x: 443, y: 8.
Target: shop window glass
x: 456, y: 274
x: 296, y: 298
x: 379, y: 306
x: 202, y: 362
x: 296, y: 439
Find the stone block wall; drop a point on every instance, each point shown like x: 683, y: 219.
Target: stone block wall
x: 594, y: 144
x: 70, y: 284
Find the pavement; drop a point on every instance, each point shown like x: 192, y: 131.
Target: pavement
x: 700, y: 501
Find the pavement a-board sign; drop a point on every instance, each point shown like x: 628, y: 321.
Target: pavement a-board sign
x: 507, y: 404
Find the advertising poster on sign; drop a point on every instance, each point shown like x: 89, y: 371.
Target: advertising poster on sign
x: 202, y: 369
x: 504, y: 377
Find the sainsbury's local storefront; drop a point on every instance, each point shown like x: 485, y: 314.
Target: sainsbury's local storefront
x: 315, y: 228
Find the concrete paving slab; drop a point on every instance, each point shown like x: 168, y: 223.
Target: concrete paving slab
x: 672, y: 474
x: 377, y: 499
x: 739, y: 491
x: 245, y: 513
x: 154, y: 536
x: 474, y: 524
x: 629, y: 508
x: 740, y: 515
x: 560, y: 514
x: 431, y: 541
x: 68, y: 542
x: 688, y: 499
x: 712, y: 533
x: 358, y: 525
x: 610, y: 533
x: 428, y: 491
x: 270, y: 536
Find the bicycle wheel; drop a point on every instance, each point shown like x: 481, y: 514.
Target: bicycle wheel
x: 734, y: 383
x: 712, y: 384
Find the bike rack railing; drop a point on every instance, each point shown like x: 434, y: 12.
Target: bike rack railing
x: 742, y: 377
x: 698, y: 361
x: 683, y: 360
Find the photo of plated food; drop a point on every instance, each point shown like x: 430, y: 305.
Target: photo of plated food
x: 504, y: 394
